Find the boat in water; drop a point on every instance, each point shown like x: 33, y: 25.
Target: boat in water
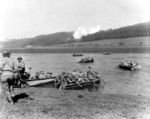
x: 77, y: 55
x: 106, y: 53
x: 87, y: 60
x: 129, y: 65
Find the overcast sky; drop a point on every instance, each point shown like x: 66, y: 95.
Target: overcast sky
x: 29, y: 18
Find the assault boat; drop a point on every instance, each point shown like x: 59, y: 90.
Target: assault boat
x: 79, y: 85
x: 129, y: 66
x: 77, y: 55
x: 106, y: 53
x: 38, y: 82
x: 82, y: 84
x: 87, y: 60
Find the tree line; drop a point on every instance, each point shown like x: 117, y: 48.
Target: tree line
x: 137, y: 30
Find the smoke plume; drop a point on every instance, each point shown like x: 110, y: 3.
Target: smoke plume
x: 83, y: 31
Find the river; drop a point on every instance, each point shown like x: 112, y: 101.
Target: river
x: 116, y: 81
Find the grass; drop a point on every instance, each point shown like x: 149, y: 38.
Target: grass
x: 50, y: 103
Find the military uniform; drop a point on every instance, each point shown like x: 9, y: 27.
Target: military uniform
x: 7, y: 67
x: 21, y: 67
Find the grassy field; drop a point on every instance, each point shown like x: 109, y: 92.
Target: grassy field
x: 50, y: 103
x: 113, y: 43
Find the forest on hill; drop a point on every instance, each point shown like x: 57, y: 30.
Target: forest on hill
x: 137, y: 30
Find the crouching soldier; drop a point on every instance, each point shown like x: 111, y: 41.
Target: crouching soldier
x: 7, y: 67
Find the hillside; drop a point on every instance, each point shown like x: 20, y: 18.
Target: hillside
x: 126, y: 45
x: 42, y: 40
x: 108, y: 43
x: 132, y: 31
x: 137, y: 30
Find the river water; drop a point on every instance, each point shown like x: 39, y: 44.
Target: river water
x: 116, y: 81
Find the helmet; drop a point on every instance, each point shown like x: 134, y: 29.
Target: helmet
x: 6, y: 53
x: 19, y: 58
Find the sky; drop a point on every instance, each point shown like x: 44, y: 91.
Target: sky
x: 29, y: 18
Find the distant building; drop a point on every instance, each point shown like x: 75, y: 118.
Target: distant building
x: 29, y: 47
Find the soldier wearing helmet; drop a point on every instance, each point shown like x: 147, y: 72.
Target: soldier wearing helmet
x: 7, y: 67
x: 6, y: 53
x: 21, y: 66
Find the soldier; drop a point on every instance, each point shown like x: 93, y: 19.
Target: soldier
x: 91, y: 74
x: 21, y: 66
x: 7, y: 67
x: 42, y: 75
x: 60, y: 81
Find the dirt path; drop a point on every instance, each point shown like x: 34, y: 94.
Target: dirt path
x: 50, y: 103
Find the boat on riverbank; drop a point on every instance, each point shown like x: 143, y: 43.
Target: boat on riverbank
x: 38, y: 82
x: 82, y: 85
x: 76, y: 80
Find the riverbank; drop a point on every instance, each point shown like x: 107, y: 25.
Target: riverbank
x: 82, y: 50
x: 45, y: 103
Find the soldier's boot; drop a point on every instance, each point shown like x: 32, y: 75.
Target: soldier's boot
x: 9, y: 98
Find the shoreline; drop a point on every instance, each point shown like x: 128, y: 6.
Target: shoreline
x: 82, y: 50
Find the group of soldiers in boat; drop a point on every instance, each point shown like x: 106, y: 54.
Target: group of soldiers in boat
x: 86, y: 60
x: 129, y: 65
x: 42, y: 75
x: 76, y: 77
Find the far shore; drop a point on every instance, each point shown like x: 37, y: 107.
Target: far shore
x: 81, y: 50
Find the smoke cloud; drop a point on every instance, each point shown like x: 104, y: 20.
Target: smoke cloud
x: 84, y: 31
